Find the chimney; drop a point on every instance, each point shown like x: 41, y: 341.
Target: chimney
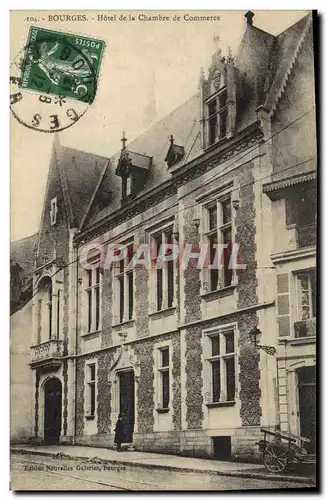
x: 249, y: 18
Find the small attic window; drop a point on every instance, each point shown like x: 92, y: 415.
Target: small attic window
x: 53, y: 211
x: 175, y: 153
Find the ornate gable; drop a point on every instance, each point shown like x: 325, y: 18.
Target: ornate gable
x: 218, y: 100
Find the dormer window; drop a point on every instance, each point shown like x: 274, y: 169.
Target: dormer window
x: 133, y: 168
x: 175, y: 153
x: 217, y: 117
x: 218, y: 100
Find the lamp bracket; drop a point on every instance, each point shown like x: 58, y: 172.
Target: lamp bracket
x: 268, y: 349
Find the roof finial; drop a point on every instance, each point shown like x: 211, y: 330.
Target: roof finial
x: 171, y: 138
x: 123, y: 140
x: 202, y: 76
x: 216, y: 40
x: 230, y: 55
x: 249, y: 18
x: 217, y: 50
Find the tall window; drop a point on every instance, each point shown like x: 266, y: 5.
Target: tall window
x: 164, y: 377
x: 58, y: 312
x: 49, y: 308
x: 219, y: 231
x: 165, y: 271
x: 45, y: 310
x: 306, y: 294
x: 125, y: 281
x: 217, y: 117
x: 91, y: 389
x: 93, y: 299
x: 221, y: 360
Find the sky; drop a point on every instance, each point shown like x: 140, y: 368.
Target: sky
x: 142, y: 61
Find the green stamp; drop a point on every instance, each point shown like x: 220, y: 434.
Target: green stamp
x: 61, y: 64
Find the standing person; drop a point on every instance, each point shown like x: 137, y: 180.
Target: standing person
x: 119, y: 432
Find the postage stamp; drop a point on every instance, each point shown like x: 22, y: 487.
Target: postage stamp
x: 53, y: 81
x: 60, y: 63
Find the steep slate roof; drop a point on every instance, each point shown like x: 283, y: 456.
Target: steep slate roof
x: 80, y: 173
x: 263, y: 63
x: 252, y: 64
x: 287, y: 47
x: 22, y: 253
x: 183, y: 123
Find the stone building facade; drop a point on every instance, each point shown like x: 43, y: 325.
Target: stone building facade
x: 169, y: 347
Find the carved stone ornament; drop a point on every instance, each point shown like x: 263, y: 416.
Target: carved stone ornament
x: 216, y: 79
x: 125, y: 358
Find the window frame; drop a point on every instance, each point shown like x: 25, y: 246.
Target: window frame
x: 164, y: 369
x: 92, y: 290
x: 309, y: 272
x: 49, y: 310
x: 163, y: 231
x: 217, y: 116
x: 124, y: 310
x: 160, y: 370
x: 46, y: 310
x: 91, y: 387
x: 219, y: 230
x: 210, y: 359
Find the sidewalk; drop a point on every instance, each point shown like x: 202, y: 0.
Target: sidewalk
x: 156, y: 460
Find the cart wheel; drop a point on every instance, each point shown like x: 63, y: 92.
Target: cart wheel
x: 275, y: 458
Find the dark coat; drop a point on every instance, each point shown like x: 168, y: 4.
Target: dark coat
x: 119, y: 431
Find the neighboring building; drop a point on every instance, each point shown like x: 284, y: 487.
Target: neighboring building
x: 22, y: 255
x: 169, y: 348
x: 292, y: 191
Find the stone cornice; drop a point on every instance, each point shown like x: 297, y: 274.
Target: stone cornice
x: 195, y: 168
x: 174, y: 331
x: 254, y: 307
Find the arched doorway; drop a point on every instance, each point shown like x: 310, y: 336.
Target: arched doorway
x: 52, y: 410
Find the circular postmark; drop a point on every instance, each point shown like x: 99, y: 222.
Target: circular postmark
x: 52, y: 84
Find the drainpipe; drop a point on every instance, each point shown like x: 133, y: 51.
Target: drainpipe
x: 286, y: 383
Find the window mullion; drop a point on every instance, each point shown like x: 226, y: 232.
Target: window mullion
x: 164, y: 281
x: 310, y: 295
x: 222, y: 380
x: 220, y: 241
x: 93, y: 307
x: 298, y: 298
x: 126, y: 297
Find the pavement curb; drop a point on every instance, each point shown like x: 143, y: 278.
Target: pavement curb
x: 244, y: 474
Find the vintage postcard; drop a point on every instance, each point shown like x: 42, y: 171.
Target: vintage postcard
x: 163, y: 250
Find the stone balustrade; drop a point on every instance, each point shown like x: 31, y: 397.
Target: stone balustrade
x: 47, y: 350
